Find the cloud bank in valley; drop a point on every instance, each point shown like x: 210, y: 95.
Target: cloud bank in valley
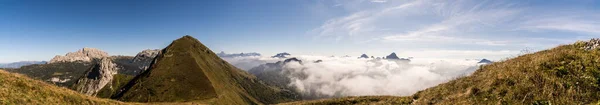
x: 350, y: 76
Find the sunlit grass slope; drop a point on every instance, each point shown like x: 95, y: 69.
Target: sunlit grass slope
x: 567, y: 74
x: 17, y: 89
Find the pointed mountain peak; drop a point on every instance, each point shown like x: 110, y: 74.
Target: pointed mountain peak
x: 364, y: 56
x: 392, y: 56
x: 187, y: 70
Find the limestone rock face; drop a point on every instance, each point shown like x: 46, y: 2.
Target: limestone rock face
x: 145, y: 57
x: 85, y: 55
x: 97, y: 77
x: 589, y: 45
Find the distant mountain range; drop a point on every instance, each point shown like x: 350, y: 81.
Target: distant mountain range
x: 223, y: 54
x: 20, y: 64
x: 281, y: 55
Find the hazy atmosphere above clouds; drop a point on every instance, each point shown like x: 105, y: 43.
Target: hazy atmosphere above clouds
x: 463, y: 29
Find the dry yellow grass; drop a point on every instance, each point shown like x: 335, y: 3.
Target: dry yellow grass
x: 16, y: 89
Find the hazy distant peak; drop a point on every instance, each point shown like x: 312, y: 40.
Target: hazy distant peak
x: 485, y: 61
x: 223, y: 54
x: 364, y: 56
x: 281, y: 55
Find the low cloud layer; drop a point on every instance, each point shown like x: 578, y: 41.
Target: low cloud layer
x: 350, y: 76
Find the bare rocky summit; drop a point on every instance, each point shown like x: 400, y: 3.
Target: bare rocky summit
x: 85, y: 55
x: 145, y: 57
x: 589, y: 45
x: 146, y: 54
x: 97, y: 77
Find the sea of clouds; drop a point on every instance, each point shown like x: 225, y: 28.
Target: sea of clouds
x: 350, y: 76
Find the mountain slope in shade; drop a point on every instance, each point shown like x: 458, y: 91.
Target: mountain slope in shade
x: 17, y: 89
x: 187, y: 71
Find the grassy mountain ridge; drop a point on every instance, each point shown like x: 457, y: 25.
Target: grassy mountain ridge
x: 567, y: 74
x: 187, y: 71
x: 19, y: 89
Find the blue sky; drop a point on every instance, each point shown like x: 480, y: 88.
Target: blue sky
x: 41, y: 29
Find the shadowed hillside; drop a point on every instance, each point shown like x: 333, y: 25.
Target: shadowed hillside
x: 17, y: 89
x: 188, y: 71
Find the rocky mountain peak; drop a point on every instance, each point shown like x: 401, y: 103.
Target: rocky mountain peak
x: 281, y: 55
x: 86, y: 55
x: 486, y: 61
x: 145, y: 57
x: 364, y: 56
x: 589, y: 45
x: 146, y: 54
x: 392, y: 56
x: 97, y: 77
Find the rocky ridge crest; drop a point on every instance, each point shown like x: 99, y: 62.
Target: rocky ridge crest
x: 86, y: 55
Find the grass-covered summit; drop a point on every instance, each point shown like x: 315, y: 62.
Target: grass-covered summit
x: 187, y: 71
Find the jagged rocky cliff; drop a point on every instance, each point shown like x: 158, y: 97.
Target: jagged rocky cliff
x: 97, y: 77
x: 144, y: 58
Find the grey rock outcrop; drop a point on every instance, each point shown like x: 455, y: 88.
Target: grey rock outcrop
x: 589, y: 45
x: 144, y: 58
x: 145, y: 55
x: 85, y: 55
x: 97, y: 77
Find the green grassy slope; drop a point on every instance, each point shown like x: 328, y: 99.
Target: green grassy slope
x: 188, y: 71
x: 20, y: 90
x: 563, y: 75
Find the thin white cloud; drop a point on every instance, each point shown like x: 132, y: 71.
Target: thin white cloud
x: 566, y: 23
x: 510, y: 24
